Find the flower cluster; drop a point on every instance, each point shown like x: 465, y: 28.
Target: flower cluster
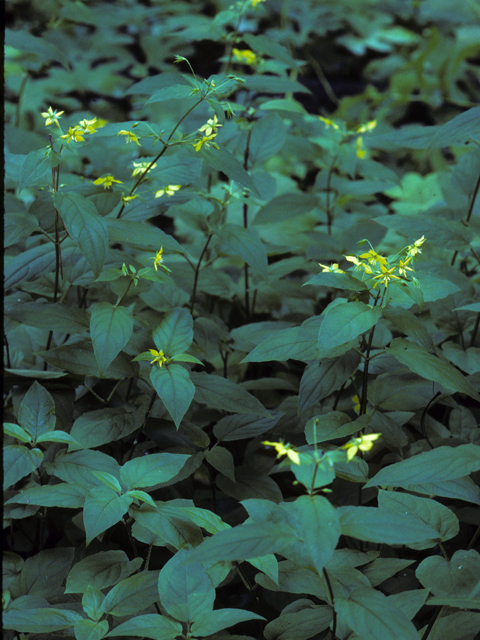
x: 381, y: 269
x: 347, y: 134
x: 142, y: 167
x: 129, y: 136
x: 169, y: 190
x: 106, y: 181
x: 159, y: 357
x: 52, y: 116
x: 209, y: 131
x: 244, y: 56
x: 77, y: 132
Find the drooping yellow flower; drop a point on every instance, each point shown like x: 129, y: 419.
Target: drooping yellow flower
x: 328, y: 122
x: 402, y: 267
x: 333, y: 268
x: 385, y: 276
x: 356, y: 401
x: 127, y: 199
x: 52, y: 116
x: 284, y: 450
x: 75, y: 134
x: 168, y: 191
x: 255, y: 2
x: 159, y: 357
x: 414, y: 248
x: 245, y: 56
x: 372, y: 257
x: 141, y: 167
x: 364, y: 443
x: 211, y: 128
x: 360, y: 149
x: 88, y: 126
x: 106, y: 181
x: 205, y: 141
x: 158, y: 259
x: 130, y: 136
x: 363, y: 128
x: 359, y: 264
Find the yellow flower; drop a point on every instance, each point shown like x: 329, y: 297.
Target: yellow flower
x: 52, y: 116
x: 140, y: 167
x: 329, y: 123
x: 361, y: 151
x: 88, y: 126
x: 414, y: 248
x: 284, y: 450
x: 255, y: 2
x: 206, y: 142
x: 333, y: 268
x: 372, y: 257
x: 364, y: 443
x: 385, y: 276
x: 159, y: 357
x: 127, y: 199
x: 402, y: 267
x: 158, y: 259
x: 357, y: 406
x: 359, y: 264
x: 106, y: 181
x: 168, y: 191
x: 74, y: 133
x: 130, y: 136
x: 210, y: 129
x: 363, y: 128
x: 246, y: 56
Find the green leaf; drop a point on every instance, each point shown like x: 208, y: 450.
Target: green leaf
x: 459, y: 130
x: 399, y: 391
x: 56, y: 436
x: 175, y: 333
x: 103, y: 508
x: 173, y: 92
x: 15, y: 431
x: 335, y: 280
x: 319, y: 528
x: 132, y: 594
x: 222, y: 460
x: 383, y: 526
x: 370, y: 614
x: 141, y: 235
x: 66, y: 495
x: 92, y: 603
x: 94, y: 428
x: 186, y: 357
x: 169, y: 524
x: 283, y: 105
x: 80, y: 358
x: 461, y: 625
x: 150, y: 625
x: 296, y: 343
x: 429, y: 366
x: 244, y: 542
x: 301, y: 624
x: 29, y: 265
x: 344, y: 322
x: 85, y: 227
x: 25, y: 41
x: 39, y: 620
x: 151, y: 470
x: 100, y: 570
x: 457, y: 577
x: 221, y: 393
x: 440, y: 464
x: 410, y: 325
x: 241, y: 427
x: 262, y: 44
x: 250, y: 483
x: 111, y: 328
x: 459, y: 489
x: 432, y: 513
x: 286, y: 206
x: 267, y: 137
x: 211, y: 622
x: 36, y: 169
x: 320, y: 379
x: 90, y: 630
x: 43, y: 574
x: 37, y: 411
x: 18, y: 462
x: 222, y: 160
x: 329, y: 426
x: 108, y: 480
x: 142, y: 496
x: 77, y: 467
x: 185, y: 589
x: 237, y: 241
x: 174, y: 388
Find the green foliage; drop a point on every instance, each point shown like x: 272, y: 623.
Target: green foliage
x: 241, y: 344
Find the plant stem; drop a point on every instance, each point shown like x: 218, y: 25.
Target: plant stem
x: 330, y: 591
x: 165, y: 147
x: 197, y: 271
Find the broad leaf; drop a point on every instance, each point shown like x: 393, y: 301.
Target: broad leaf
x: 221, y: 393
x: 103, y: 508
x: 132, y: 595
x: 150, y: 625
x: 344, y: 322
x: 156, y: 468
x: 100, y: 570
x: 175, y: 333
x: 110, y: 328
x: 175, y: 389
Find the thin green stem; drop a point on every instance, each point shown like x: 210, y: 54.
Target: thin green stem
x: 20, y: 94
x: 329, y: 208
x: 197, y: 271
x: 165, y: 147
x: 469, y: 212
x: 475, y: 330
x: 332, y: 599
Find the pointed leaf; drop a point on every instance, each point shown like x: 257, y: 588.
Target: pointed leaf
x: 111, y: 328
x: 132, y: 595
x: 37, y: 411
x: 344, y: 322
x: 175, y: 389
x: 147, y: 471
x: 213, y: 621
x: 175, y: 333
x: 103, y: 508
x: 150, y: 625
x: 319, y: 528
x: 221, y: 393
x: 237, y: 241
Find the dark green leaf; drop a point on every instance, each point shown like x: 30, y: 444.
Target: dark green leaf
x: 237, y: 241
x: 132, y: 594
x: 18, y: 462
x: 111, y: 328
x: 150, y: 625
x: 222, y: 393
x: 153, y: 469
x: 240, y: 427
x: 175, y: 333
x: 175, y: 389
x: 39, y: 620
x: 37, y: 411
x: 100, y: 570
x: 103, y: 508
